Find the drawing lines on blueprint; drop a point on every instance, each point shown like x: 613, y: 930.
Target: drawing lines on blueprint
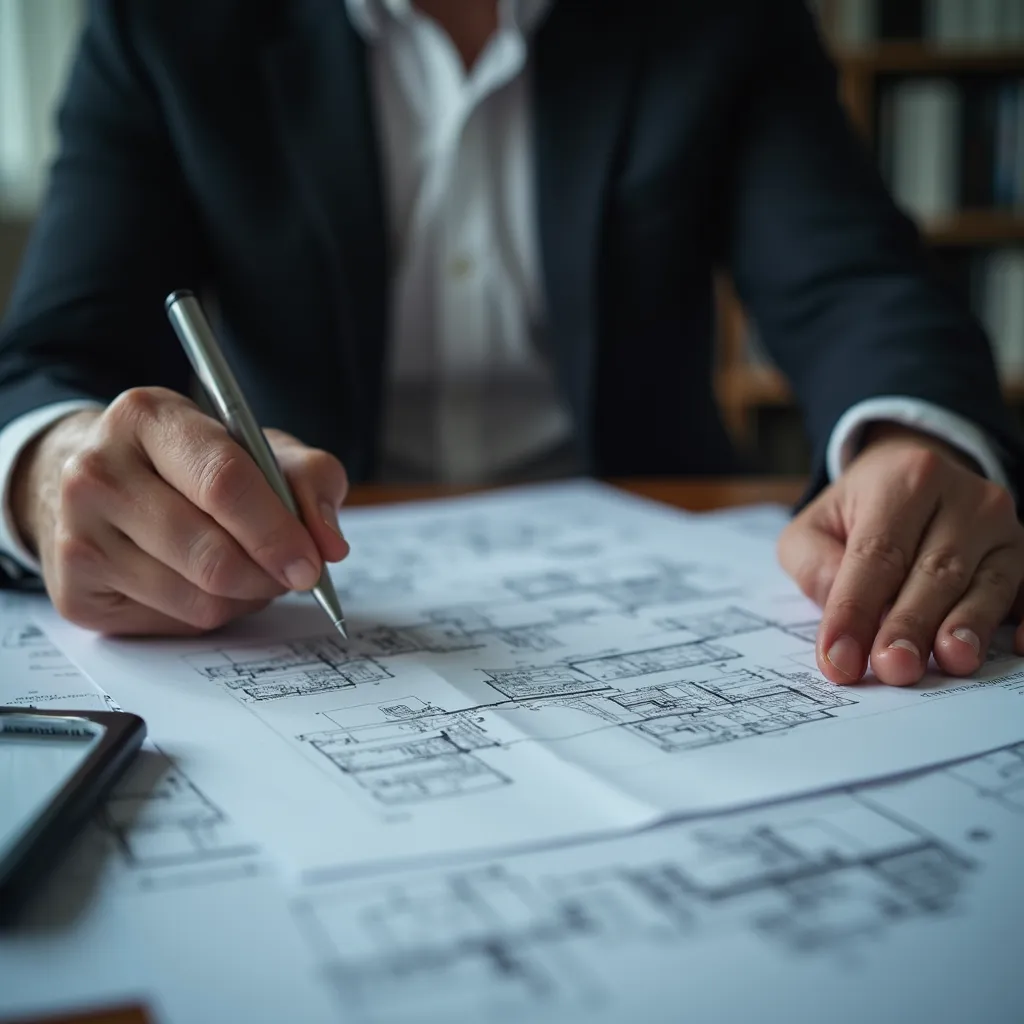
x: 535, y: 608
x: 418, y: 753
x: 288, y: 669
x: 998, y: 777
x: 684, y: 715
x: 715, y: 625
x: 670, y: 658
x: 627, y: 589
x: 523, y: 934
x: 407, y: 751
x: 735, y: 622
x: 484, y: 942
x: 166, y: 830
x: 450, y: 630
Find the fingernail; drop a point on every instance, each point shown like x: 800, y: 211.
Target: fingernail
x: 330, y: 516
x: 301, y: 574
x: 969, y: 637
x: 845, y: 655
x: 905, y: 645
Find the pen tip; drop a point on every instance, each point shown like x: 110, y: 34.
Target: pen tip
x: 339, y: 625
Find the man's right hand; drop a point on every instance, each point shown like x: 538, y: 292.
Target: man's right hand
x: 148, y: 518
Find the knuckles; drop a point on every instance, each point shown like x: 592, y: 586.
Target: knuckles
x: 997, y: 503
x: 215, y: 567
x: 88, y: 475
x: 879, y: 549
x: 945, y: 567
x: 137, y: 404
x: 77, y: 554
x: 223, y: 480
x: 920, y: 467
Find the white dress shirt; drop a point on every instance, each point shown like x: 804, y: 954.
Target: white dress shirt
x: 468, y: 394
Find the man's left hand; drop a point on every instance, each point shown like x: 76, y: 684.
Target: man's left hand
x: 910, y: 553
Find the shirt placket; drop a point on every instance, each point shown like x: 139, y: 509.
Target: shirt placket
x: 466, y: 249
x: 464, y: 329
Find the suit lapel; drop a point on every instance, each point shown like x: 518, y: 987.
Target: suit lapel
x: 583, y: 62
x: 317, y: 77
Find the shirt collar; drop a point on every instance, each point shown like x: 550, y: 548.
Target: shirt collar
x: 370, y: 16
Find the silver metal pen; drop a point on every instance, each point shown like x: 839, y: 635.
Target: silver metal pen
x: 214, y: 373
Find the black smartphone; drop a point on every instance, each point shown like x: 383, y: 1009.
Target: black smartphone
x: 55, y: 769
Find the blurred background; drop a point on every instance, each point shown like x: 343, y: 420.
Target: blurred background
x: 935, y: 87
x: 37, y: 38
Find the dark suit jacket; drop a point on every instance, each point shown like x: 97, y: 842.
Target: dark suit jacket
x: 230, y: 145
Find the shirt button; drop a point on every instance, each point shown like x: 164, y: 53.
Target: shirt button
x: 461, y: 267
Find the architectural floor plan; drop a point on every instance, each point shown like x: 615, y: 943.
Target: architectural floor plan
x: 561, y: 662
x: 574, y: 764
x: 826, y: 888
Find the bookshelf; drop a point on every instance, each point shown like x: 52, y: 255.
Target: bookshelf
x: 744, y: 388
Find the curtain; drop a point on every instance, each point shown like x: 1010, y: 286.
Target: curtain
x: 37, y: 38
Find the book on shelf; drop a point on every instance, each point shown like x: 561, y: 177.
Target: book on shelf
x: 998, y: 286
x: 946, y: 145
x: 920, y: 141
x: 952, y: 24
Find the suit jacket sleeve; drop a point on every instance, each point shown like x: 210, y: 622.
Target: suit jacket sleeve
x: 836, y: 278
x: 115, y: 234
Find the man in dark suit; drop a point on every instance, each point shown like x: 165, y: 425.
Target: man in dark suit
x: 473, y: 240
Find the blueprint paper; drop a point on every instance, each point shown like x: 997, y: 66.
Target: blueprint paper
x: 158, y: 887
x: 33, y: 672
x: 165, y: 902
x: 761, y: 521
x: 529, y: 668
x: 891, y: 903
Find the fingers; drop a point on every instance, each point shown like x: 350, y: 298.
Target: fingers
x: 941, y: 573
x: 195, y: 455
x: 964, y: 581
x: 966, y: 632
x: 166, y: 526
x: 154, y: 520
x: 879, y: 551
x: 113, y: 614
x: 126, y: 592
x: 810, y: 551
x: 320, y: 485
x: 151, y: 584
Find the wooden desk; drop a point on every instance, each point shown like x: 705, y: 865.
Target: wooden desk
x: 694, y: 495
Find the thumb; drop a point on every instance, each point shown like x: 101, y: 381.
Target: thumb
x: 319, y: 482
x: 811, y: 553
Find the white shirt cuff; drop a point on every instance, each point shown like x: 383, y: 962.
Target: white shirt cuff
x: 845, y: 442
x: 13, y: 440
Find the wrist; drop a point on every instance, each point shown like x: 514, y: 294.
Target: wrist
x: 34, y: 479
x: 896, y: 434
